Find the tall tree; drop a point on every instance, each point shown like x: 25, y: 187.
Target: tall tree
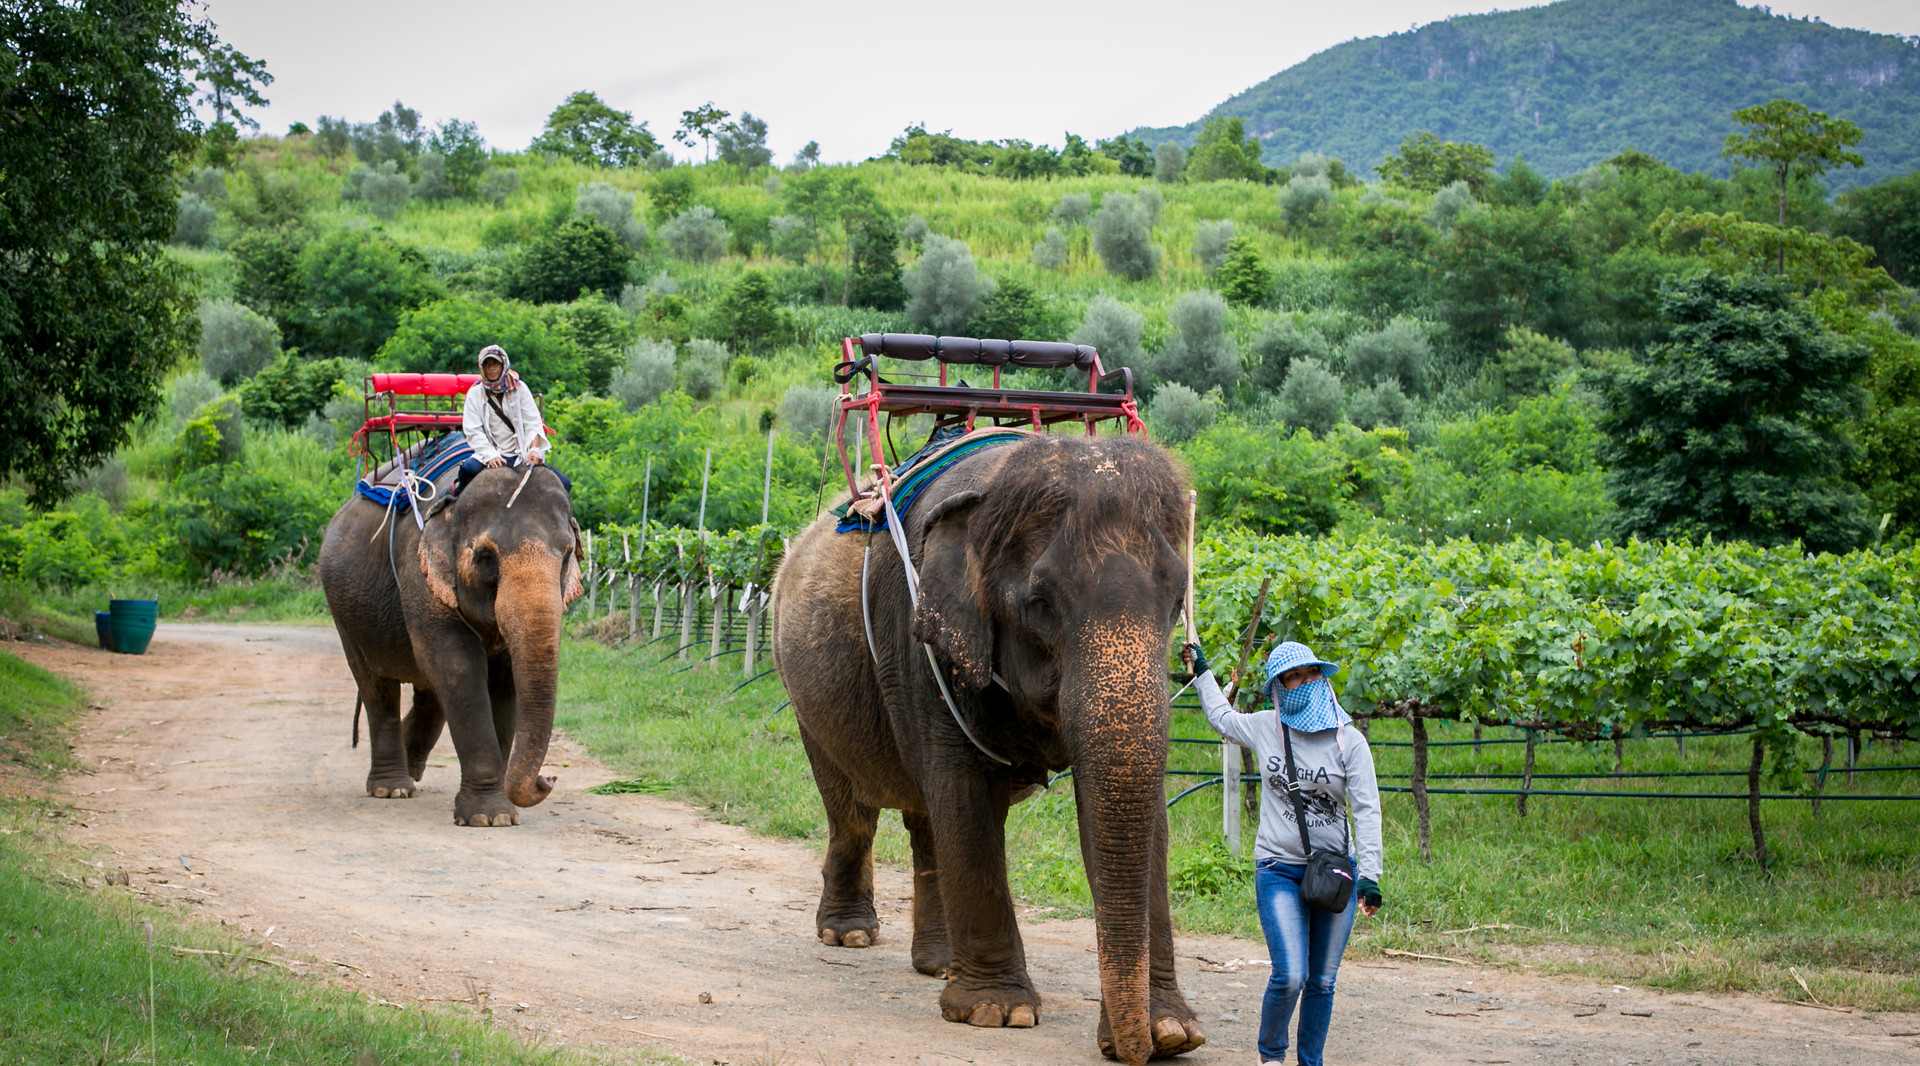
x: 587, y: 130
x: 95, y: 117
x: 704, y: 122
x: 232, y: 81
x: 1427, y: 163
x: 1787, y: 137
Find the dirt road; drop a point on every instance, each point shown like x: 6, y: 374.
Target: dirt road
x: 220, y: 777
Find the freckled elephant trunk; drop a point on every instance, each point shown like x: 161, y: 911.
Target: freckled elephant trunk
x: 528, y: 607
x: 1120, y: 754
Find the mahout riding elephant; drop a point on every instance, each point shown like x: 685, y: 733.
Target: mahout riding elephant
x: 467, y: 611
x: 1050, y: 574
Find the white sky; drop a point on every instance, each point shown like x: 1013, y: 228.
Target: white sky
x: 848, y: 73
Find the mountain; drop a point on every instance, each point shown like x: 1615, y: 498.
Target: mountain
x: 1573, y: 83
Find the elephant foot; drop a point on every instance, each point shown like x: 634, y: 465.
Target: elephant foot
x: 931, y: 955
x: 484, y: 810
x: 991, y: 1008
x: 851, y: 938
x: 853, y: 925
x: 391, y: 786
x: 1175, y: 1029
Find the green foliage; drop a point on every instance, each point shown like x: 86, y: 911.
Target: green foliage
x: 464, y: 156
x: 235, y: 342
x: 1201, y: 353
x: 267, y: 269
x: 1278, y: 343
x: 1398, y: 352
x: 581, y: 255
x: 291, y: 390
x: 193, y: 221
x: 1312, y: 398
x: 354, y: 286
x: 586, y: 130
x: 1735, y: 427
x: 696, y: 234
x: 1050, y: 251
x: 1889, y: 433
x: 744, y: 143
x: 1011, y: 310
x: 1785, y: 137
x: 1506, y: 267
x: 647, y: 374
x: 214, y: 436
x: 944, y: 288
x: 1264, y: 481
x: 613, y: 209
x: 874, y: 278
x: 233, y: 519
x: 78, y: 544
x: 1427, y: 163
x: 1528, y: 364
x: 748, y: 316
x: 1886, y: 218
x: 1177, y: 413
x: 1133, y: 156
x: 1113, y: 329
x: 1123, y: 238
x: 1169, y: 163
x: 446, y: 337
x: 1244, y: 278
x: 1224, y: 151
x: 1305, y: 200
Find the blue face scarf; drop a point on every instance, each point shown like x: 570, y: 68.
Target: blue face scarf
x: 1310, y: 708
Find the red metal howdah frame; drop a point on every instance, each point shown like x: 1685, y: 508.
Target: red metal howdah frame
x: 1032, y: 409
x: 423, y: 402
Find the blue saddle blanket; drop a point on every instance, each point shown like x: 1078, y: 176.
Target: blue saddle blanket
x: 429, y: 460
x: 922, y: 468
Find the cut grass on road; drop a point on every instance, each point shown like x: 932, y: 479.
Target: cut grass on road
x: 1659, y: 892
x: 77, y: 976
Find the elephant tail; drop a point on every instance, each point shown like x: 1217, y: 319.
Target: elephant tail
x: 357, y: 701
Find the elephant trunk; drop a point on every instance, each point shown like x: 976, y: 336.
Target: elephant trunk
x: 1116, y: 712
x: 528, y: 606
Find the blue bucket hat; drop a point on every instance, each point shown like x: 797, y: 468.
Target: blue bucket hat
x: 1291, y: 654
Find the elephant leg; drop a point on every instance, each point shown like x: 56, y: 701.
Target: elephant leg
x: 500, y: 693
x: 1175, y: 1028
x: 845, y: 916
x: 931, y: 955
x: 387, y: 776
x: 461, y: 682
x: 987, y: 982
x: 422, y: 730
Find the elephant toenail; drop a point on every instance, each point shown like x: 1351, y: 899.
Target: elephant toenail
x: 1021, y: 1017
x: 856, y: 938
x: 987, y: 1016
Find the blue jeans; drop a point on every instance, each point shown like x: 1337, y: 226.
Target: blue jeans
x: 1305, y: 946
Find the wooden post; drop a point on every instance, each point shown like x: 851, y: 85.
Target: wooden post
x: 1476, y: 740
x: 1853, y: 754
x: 1619, y: 754
x: 722, y: 599
x: 633, y: 601
x: 766, y: 484
x: 686, y: 609
x: 593, y: 586
x: 659, y: 594
x: 1250, y: 791
x: 1420, y: 783
x: 1526, y: 775
x: 1680, y: 741
x: 753, y: 629
x: 1826, y: 762
x: 1753, y: 800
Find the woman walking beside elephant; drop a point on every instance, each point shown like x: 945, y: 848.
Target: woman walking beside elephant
x: 1303, y: 738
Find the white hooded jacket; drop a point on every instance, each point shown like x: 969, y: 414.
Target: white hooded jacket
x: 489, y: 434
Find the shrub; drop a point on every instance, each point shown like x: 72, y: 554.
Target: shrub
x: 747, y: 314
x: 193, y: 221
x: 1073, y: 209
x: 1210, y: 243
x: 874, y: 278
x: 1244, y: 278
x: 1528, y: 365
x: 703, y: 369
x: 915, y: 231
x: 1114, y: 329
x: 944, y: 287
x: 1201, y: 355
x: 1169, y: 162
x: 1010, y: 310
x: 291, y: 390
x: 213, y: 436
x: 190, y: 392
x: 1253, y: 478
x: 1122, y: 238
x: 499, y: 184
x: 808, y: 410
x: 235, y: 341
x: 235, y: 520
x: 613, y: 209
x: 1400, y: 352
x: 432, y: 184
x: 384, y: 187
x: 1050, y: 252
x: 791, y: 238
x: 1311, y: 397
x: 581, y: 255
x: 647, y: 375
x: 1280, y: 342
x: 743, y: 143
x: 660, y: 160
x: 696, y: 234
x: 1312, y: 165
x: 1449, y: 203
x: 1382, y: 405
x: 331, y: 139
x: 1152, y: 202
x: 1305, y: 199
x: 447, y: 335
x: 1176, y: 413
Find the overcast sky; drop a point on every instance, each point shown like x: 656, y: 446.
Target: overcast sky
x: 848, y: 73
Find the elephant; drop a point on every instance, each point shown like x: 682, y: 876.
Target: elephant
x: 467, y: 610
x: 1050, y: 573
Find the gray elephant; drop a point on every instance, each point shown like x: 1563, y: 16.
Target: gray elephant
x: 1050, y: 575
x: 467, y: 611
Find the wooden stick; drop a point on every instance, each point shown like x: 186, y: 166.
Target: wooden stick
x: 1416, y: 955
x: 1193, y: 507
x: 522, y: 485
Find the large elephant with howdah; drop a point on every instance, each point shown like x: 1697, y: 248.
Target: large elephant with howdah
x: 1050, y: 575
x: 467, y: 611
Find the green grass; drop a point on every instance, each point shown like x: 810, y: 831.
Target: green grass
x: 1660, y: 892
x: 75, y: 965
x: 68, y: 614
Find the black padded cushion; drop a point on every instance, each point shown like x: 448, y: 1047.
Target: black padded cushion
x: 969, y: 351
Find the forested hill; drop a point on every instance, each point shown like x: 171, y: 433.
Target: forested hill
x: 1575, y: 82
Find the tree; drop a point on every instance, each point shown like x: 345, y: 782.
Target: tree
x: 1245, y: 280
x: 704, y: 122
x: 445, y: 336
x: 1224, y: 151
x: 580, y: 255
x: 1398, y: 352
x: 1505, y: 267
x: 1787, y: 137
x: 1011, y: 310
x: 1050, y: 251
x: 1210, y: 241
x: 1278, y: 344
x: 1132, y: 155
x: 235, y: 342
x: 744, y: 143
x: 1528, y: 365
x: 1735, y: 426
x: 944, y: 287
x: 807, y: 157
x: 465, y: 154
x: 233, y: 81
x: 1176, y: 413
x: 588, y: 131
x: 1311, y: 398
x: 1113, y: 329
x: 354, y: 285
x: 1123, y: 238
x: 1073, y: 209
x: 749, y: 316
x: 696, y: 234
x: 1449, y: 203
x: 1201, y: 354
x: 1169, y: 162
x: 1886, y: 218
x: 613, y: 209
x: 1425, y: 162
x: 647, y: 375
x: 874, y: 274
x: 93, y: 311
x: 267, y: 268
x: 1305, y: 199
x: 1382, y: 405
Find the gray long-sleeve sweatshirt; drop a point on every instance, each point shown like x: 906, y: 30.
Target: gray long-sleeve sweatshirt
x: 1336, y: 770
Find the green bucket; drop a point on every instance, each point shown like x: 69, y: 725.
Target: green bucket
x: 130, y: 624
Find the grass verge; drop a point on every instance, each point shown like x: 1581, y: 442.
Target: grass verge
x: 68, y: 614
x: 79, y: 982
x: 1660, y: 892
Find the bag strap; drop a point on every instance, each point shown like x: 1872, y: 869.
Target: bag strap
x: 498, y: 410
x: 1300, y: 805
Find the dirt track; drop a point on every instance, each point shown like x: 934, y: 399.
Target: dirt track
x: 221, y: 778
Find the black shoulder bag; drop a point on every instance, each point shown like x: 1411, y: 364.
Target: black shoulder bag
x: 1327, y: 884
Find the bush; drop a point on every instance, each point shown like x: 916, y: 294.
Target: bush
x: 647, y: 375
x: 747, y: 314
x: 915, y: 231
x: 1152, y: 202
x: 1073, y: 209
x: 193, y: 221
x: 267, y: 269
x: 432, y: 184
x: 808, y: 410
x: 1382, y: 405
x: 1311, y: 397
x: 744, y: 143
x: 581, y: 255
x: 1399, y: 352
x: 234, y: 520
x: 703, y: 369
x: 384, y: 187
x: 1279, y: 342
x: 1449, y: 203
x: 235, y: 342
x: 944, y: 287
x: 1210, y: 243
x: 1253, y: 478
x: 1201, y: 355
x: 696, y: 234
x: 1177, y: 413
x: 1305, y: 199
x: 791, y: 238
x: 213, y: 436
x: 1122, y: 238
x: 354, y: 285
x: 1244, y: 278
x: 1528, y: 365
x: 1169, y: 162
x: 499, y: 184
x: 660, y: 160
x: 1010, y: 310
x: 189, y: 393
x: 446, y: 337
x: 613, y: 209
x: 875, y: 278
x: 291, y: 390
x: 1050, y: 252
x: 1114, y: 329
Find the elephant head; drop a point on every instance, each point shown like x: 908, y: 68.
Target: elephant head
x: 1063, y: 575
x: 509, y: 572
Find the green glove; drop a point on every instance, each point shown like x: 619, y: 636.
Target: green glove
x: 1369, y: 892
x: 1199, y: 660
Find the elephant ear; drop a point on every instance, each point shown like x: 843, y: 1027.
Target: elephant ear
x: 571, y: 588
x: 436, y: 561
x: 949, y: 616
